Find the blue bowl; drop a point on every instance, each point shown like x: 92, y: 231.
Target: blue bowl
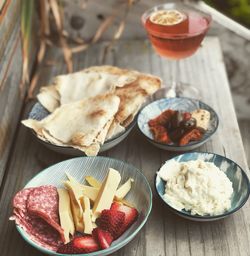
x: 140, y: 194
x: 233, y: 171
x: 183, y: 104
x: 38, y: 112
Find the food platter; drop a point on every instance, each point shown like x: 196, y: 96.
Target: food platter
x: 140, y: 194
x: 90, y: 110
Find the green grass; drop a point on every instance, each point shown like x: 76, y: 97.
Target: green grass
x: 238, y: 10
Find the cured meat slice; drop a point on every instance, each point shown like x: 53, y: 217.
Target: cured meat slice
x: 39, y: 231
x: 43, y: 202
x: 19, y: 201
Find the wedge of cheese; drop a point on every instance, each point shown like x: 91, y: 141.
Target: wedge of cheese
x: 75, y: 193
x: 93, y: 182
x: 88, y: 226
x: 123, y: 190
x: 107, y: 192
x: 90, y: 192
x: 65, y: 214
x: 202, y: 117
x: 72, y: 179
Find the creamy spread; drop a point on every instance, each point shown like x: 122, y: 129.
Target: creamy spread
x: 196, y: 186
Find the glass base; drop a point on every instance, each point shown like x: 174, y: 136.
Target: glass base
x: 181, y: 90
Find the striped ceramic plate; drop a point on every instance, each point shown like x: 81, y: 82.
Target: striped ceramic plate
x: 140, y: 194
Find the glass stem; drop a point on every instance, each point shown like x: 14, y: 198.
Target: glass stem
x: 176, y: 76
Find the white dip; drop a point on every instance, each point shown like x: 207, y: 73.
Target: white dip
x: 196, y: 186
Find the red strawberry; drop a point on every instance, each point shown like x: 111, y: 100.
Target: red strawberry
x: 111, y: 221
x: 131, y: 215
x: 80, y: 244
x: 103, y: 237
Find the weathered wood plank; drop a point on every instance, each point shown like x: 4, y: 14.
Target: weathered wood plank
x: 164, y: 233
x: 245, y: 133
x: 8, y: 20
x: 11, y: 100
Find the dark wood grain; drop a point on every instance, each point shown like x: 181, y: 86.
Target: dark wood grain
x: 245, y: 133
x: 164, y: 232
x: 11, y: 100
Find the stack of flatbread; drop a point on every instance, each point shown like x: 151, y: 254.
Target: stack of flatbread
x: 90, y: 106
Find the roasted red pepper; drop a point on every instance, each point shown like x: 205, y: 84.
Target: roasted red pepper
x: 192, y: 135
x: 163, y: 118
x: 160, y: 134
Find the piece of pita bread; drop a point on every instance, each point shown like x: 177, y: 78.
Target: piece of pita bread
x: 125, y: 76
x: 80, y: 124
x: 82, y: 85
x: 133, y: 96
x: 114, y: 130
x: 149, y: 83
x: 49, y: 97
x: 131, y: 100
x: 91, y: 150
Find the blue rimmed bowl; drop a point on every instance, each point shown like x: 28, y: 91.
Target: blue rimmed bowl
x: 38, y: 112
x: 182, y: 104
x: 234, y: 172
x: 140, y: 194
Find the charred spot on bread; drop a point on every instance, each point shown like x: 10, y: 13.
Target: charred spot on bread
x: 97, y: 113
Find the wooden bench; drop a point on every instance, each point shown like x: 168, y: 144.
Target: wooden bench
x: 164, y: 232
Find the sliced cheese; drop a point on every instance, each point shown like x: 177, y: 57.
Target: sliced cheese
x: 90, y: 192
x: 65, y: 214
x: 124, y: 189
x: 75, y: 193
x: 107, y: 192
x: 72, y: 179
x: 202, y: 117
x: 94, y: 225
x: 88, y: 227
x: 125, y: 202
x: 93, y: 182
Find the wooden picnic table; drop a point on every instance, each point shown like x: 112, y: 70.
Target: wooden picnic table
x: 164, y: 233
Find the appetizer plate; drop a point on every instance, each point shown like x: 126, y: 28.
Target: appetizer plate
x: 234, y: 172
x: 182, y: 104
x: 38, y: 112
x: 140, y: 194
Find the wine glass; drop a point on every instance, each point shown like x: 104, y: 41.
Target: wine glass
x: 176, y: 32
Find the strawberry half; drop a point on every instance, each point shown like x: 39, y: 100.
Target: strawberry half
x: 111, y: 221
x: 80, y: 244
x: 103, y: 237
x: 131, y: 214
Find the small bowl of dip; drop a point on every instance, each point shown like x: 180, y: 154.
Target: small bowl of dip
x: 202, y: 186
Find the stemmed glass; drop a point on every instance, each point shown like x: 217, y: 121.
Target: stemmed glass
x: 176, y: 32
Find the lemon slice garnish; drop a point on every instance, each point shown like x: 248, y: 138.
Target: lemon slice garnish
x: 167, y: 17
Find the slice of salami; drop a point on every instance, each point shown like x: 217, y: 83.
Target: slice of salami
x: 41, y: 232
x: 43, y: 201
x: 20, y: 200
